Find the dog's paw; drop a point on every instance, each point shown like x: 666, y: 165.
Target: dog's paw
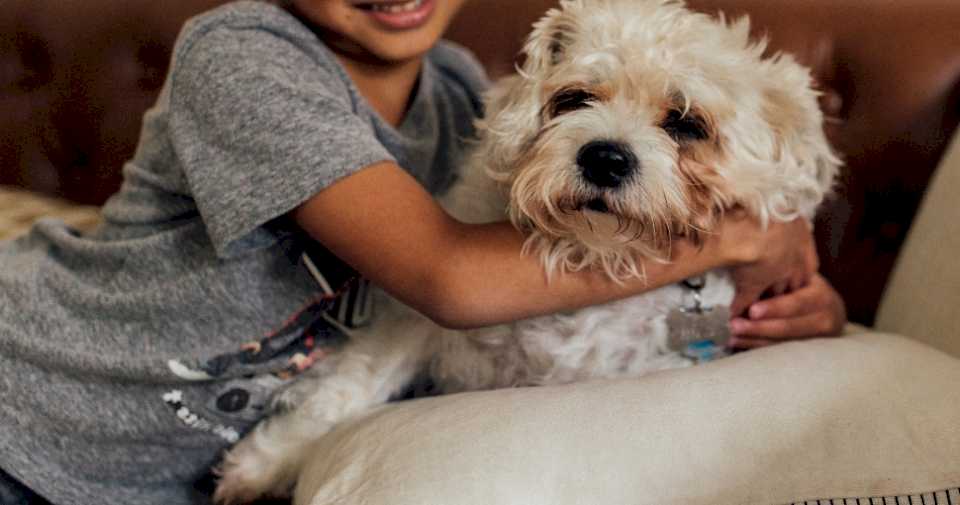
x: 236, y: 489
x: 248, y: 473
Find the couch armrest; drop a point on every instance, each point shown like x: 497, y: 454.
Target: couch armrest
x: 923, y: 296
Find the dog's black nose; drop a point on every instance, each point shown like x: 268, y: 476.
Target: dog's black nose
x: 606, y: 164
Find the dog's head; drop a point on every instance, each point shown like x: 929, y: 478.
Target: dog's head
x: 633, y: 122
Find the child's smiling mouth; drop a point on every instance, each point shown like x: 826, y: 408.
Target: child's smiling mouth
x: 398, y: 14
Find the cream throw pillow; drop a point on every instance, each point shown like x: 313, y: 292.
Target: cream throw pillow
x: 923, y: 296
x: 866, y: 415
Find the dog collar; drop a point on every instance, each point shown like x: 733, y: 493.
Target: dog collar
x: 697, y: 331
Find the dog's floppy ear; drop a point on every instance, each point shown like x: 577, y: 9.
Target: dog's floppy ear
x: 512, y: 111
x: 798, y: 122
x: 552, y: 36
x: 791, y: 110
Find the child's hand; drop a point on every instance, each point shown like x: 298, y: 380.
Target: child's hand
x: 811, y: 311
x: 779, y: 258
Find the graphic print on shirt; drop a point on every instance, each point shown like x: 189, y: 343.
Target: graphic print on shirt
x: 234, y: 390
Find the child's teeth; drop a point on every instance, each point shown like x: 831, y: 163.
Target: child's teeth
x: 397, y: 8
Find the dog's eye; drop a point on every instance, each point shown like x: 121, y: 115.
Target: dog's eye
x: 569, y: 100
x: 684, y: 127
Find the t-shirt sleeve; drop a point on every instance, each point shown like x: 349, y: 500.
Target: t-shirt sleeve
x: 259, y: 127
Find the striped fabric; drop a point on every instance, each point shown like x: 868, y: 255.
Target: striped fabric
x: 945, y: 497
x: 19, y: 209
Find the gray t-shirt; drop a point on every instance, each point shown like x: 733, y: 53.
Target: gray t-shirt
x: 132, y: 356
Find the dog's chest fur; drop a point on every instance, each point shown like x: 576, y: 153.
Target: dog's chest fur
x: 624, y: 338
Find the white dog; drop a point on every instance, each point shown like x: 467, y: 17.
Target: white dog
x: 630, y: 122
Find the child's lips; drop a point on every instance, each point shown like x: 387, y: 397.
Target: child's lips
x: 398, y: 14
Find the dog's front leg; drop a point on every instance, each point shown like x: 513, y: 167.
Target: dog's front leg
x: 373, y: 366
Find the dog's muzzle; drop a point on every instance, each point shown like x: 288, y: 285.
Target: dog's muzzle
x: 606, y: 164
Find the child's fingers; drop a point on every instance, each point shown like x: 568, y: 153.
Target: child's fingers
x: 814, y: 310
x: 744, y: 298
x: 750, y: 343
x: 781, y: 287
x: 792, y: 304
x: 810, y: 325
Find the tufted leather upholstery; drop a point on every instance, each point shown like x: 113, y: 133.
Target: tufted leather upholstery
x: 76, y: 75
x: 75, y: 78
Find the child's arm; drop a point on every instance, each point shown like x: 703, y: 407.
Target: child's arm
x: 383, y: 223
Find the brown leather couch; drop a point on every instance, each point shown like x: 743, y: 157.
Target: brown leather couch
x: 76, y: 76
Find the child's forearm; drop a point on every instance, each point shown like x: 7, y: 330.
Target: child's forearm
x: 382, y: 222
x: 486, y: 281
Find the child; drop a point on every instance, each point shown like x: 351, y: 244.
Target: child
x: 130, y: 357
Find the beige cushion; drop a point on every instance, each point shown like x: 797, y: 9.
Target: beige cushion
x: 922, y: 299
x: 19, y: 209
x: 866, y: 415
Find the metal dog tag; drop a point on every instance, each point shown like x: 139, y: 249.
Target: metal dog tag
x: 698, y: 332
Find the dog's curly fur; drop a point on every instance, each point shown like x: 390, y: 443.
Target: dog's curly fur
x: 705, y: 122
